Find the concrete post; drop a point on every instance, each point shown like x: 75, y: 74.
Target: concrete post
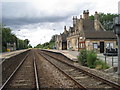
x: 118, y: 54
x: 78, y: 43
x: 18, y: 43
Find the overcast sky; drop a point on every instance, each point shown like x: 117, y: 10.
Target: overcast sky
x: 38, y: 20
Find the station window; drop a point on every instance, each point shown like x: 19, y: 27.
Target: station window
x: 82, y: 45
x: 109, y: 45
x: 95, y: 45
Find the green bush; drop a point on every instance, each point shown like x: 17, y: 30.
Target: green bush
x: 91, y: 58
x: 99, y: 64
x: 82, y: 58
x: 3, y: 49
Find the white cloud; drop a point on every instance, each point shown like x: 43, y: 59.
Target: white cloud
x: 39, y: 33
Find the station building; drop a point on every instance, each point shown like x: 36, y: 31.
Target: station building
x: 86, y: 34
x: 11, y: 46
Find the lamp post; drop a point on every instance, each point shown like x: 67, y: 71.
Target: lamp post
x: 18, y: 42
x: 117, y: 32
x: 54, y: 47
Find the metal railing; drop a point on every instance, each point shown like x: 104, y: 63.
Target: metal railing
x: 110, y: 60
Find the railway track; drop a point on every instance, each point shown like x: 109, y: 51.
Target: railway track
x: 28, y: 74
x: 85, y: 78
x: 10, y: 64
x: 67, y: 75
x: 24, y: 76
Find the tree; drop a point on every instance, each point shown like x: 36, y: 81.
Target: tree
x: 39, y: 46
x: 29, y: 46
x: 26, y: 42
x: 106, y: 20
x: 21, y: 44
x: 91, y: 17
x: 52, y: 39
x: 9, y: 37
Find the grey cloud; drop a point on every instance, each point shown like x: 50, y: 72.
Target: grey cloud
x: 23, y: 14
x: 25, y: 20
x: 18, y: 15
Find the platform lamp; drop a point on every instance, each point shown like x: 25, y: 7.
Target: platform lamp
x: 18, y: 42
x: 116, y: 24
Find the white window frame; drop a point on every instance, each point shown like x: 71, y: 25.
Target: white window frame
x: 109, y: 45
x: 95, y: 46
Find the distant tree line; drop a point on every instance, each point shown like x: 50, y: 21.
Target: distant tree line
x: 9, y: 37
x: 106, y: 20
x: 47, y: 45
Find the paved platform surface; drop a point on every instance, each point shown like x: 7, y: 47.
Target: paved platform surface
x: 10, y: 54
x: 70, y: 54
x: 111, y: 61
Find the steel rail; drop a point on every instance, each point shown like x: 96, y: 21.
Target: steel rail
x: 76, y: 82
x: 3, y: 86
x: 113, y: 84
x: 36, y: 74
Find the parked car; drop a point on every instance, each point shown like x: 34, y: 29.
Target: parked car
x: 111, y: 52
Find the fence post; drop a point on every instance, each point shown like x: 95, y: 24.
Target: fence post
x: 112, y: 60
x: 105, y: 59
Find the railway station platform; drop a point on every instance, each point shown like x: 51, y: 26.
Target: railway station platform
x: 70, y: 54
x: 111, y: 61
x: 10, y: 54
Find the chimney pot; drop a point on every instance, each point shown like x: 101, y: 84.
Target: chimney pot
x: 64, y: 27
x: 80, y: 16
x: 84, y: 12
x: 73, y: 18
x: 95, y: 12
x: 76, y: 17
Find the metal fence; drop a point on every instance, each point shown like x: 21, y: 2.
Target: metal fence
x: 110, y: 60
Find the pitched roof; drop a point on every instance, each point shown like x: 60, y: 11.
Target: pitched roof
x: 99, y: 35
x: 88, y: 25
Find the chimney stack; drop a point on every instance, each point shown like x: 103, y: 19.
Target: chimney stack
x: 96, y: 21
x: 86, y: 14
x: 64, y: 27
x: 80, y: 16
x: 65, y: 30
x: 74, y: 20
x: 96, y: 16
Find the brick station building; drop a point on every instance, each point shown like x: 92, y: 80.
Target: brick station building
x: 86, y: 34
